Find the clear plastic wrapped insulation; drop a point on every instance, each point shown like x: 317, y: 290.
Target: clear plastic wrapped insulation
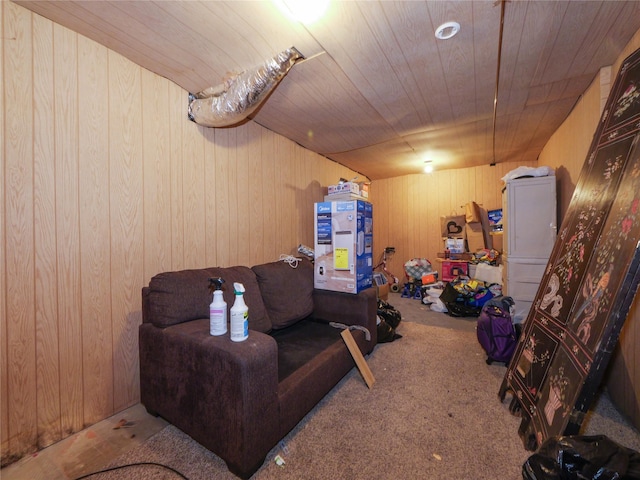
x: 232, y: 102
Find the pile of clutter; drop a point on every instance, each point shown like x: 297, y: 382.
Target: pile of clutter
x: 485, y: 255
x: 419, y: 273
x: 462, y: 297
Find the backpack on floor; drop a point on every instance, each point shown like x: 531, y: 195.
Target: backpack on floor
x: 496, y: 332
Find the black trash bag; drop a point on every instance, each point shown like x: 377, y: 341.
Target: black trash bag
x: 389, y: 313
x: 582, y: 458
x: 388, y: 320
x: 386, y: 333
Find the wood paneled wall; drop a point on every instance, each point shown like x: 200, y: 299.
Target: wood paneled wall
x: 104, y: 183
x: 407, y: 209
x: 566, y: 151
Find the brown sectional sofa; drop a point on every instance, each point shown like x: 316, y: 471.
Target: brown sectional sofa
x: 239, y: 399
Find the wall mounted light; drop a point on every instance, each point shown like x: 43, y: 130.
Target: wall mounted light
x: 447, y: 30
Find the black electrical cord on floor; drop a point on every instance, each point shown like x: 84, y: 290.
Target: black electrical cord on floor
x: 133, y: 465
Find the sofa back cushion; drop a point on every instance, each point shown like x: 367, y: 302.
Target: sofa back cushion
x: 176, y: 297
x: 287, y: 292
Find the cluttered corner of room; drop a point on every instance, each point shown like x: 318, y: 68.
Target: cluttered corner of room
x: 470, y: 237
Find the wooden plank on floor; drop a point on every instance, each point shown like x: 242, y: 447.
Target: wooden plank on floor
x: 365, y: 371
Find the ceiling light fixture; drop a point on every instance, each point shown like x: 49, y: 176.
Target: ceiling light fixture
x: 303, y: 11
x: 447, y: 30
x: 428, y: 166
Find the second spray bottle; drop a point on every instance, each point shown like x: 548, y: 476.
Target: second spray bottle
x: 218, y: 312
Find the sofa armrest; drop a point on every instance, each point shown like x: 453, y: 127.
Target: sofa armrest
x: 146, y: 312
x: 349, y: 309
x: 223, y: 394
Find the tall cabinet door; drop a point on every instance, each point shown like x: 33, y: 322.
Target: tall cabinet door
x: 531, y: 215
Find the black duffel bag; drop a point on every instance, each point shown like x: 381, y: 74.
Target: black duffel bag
x: 458, y: 304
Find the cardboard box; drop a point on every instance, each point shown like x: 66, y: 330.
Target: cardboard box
x: 346, y: 187
x: 343, y: 243
x: 496, y: 241
x: 382, y: 286
x: 383, y: 291
x: 475, y: 237
x: 343, y: 197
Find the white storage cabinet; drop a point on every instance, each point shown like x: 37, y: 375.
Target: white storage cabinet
x: 530, y: 228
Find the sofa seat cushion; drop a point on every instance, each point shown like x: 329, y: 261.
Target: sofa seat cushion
x: 287, y: 292
x: 182, y: 296
x: 307, y: 385
x: 301, y: 343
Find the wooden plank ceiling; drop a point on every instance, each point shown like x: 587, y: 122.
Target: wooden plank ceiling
x: 377, y: 91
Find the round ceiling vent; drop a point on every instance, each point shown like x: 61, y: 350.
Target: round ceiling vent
x: 447, y: 30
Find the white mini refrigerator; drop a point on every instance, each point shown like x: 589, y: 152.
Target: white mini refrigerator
x: 343, y: 243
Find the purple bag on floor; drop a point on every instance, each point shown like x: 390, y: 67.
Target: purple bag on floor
x: 496, y: 333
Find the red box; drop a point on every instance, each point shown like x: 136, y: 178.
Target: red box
x: 429, y: 278
x: 451, y: 269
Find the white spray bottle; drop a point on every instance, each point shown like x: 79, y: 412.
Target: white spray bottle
x: 239, y: 315
x: 217, y: 309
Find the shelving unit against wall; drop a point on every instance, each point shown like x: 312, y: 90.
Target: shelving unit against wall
x: 530, y: 228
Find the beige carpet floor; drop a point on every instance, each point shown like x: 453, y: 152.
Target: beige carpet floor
x: 433, y: 413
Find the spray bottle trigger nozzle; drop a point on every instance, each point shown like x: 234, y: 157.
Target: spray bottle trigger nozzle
x: 238, y: 288
x: 216, y: 283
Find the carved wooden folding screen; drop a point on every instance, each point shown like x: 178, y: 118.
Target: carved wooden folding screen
x: 590, y: 280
